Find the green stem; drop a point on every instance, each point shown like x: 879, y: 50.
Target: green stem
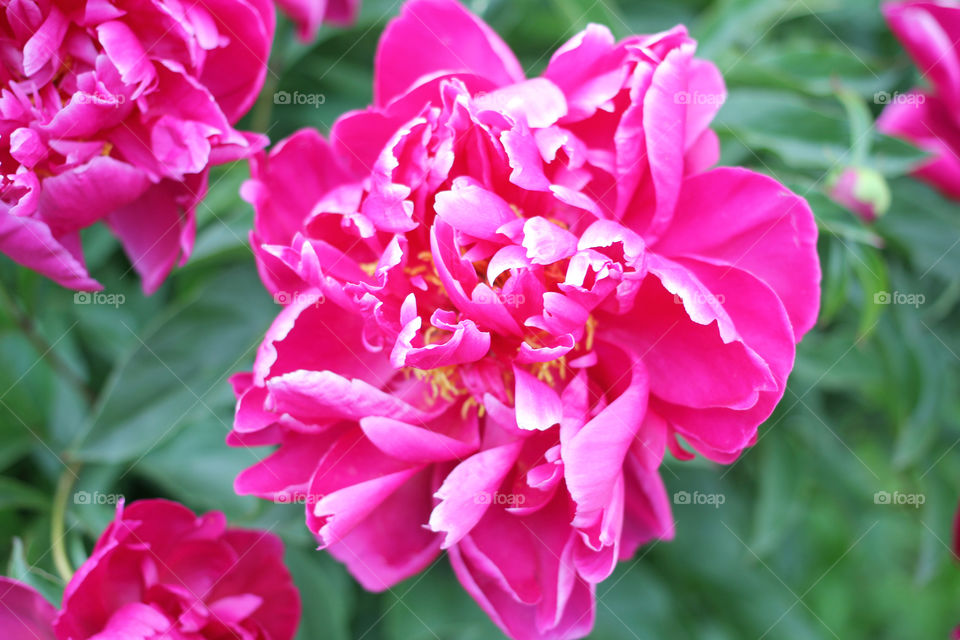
x: 263, y: 109
x: 42, y: 346
x: 58, y: 534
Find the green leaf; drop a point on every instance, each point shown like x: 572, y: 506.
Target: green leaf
x: 327, y: 593
x: 198, y: 468
x: 805, y: 134
x: 177, y: 371
x: 15, y: 494
x: 20, y: 569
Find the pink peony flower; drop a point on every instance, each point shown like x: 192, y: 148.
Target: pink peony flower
x: 309, y: 14
x: 506, y: 298
x: 114, y: 112
x: 159, y: 571
x: 930, y: 118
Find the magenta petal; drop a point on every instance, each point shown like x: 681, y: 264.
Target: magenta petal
x: 538, y: 406
x: 45, y: 42
x: 285, y: 474
x: 413, y: 443
x: 647, y: 513
x: 126, y: 52
x: 472, y: 209
x: 320, y: 396
x: 926, y: 120
x: 138, y: 621
x: 606, y: 437
x: 721, y: 433
x: 588, y: 68
x: 336, y: 514
x: 486, y: 568
x: 307, y: 14
x: 235, y: 74
x: 468, y: 491
x: 930, y: 31
x: 686, y: 337
x: 24, y: 613
x: 664, y: 118
x: 154, y: 230
x: 538, y: 102
x: 434, y: 36
x: 754, y: 223
x: 547, y: 242
x: 78, y: 198
x: 30, y: 243
x: 391, y: 544
x: 708, y: 92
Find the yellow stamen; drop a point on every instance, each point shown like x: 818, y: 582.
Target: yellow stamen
x: 591, y: 329
x: 468, y: 404
x: 443, y: 382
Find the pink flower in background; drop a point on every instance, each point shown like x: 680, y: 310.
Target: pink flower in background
x: 930, y: 118
x: 24, y: 613
x: 309, y: 14
x: 114, y: 112
x: 159, y: 571
x: 506, y: 298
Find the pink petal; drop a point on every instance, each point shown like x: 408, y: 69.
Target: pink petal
x: 157, y: 230
x: 24, y: 613
x: 930, y: 32
x: 472, y: 209
x: 753, y: 223
x: 434, y: 36
x: 43, y: 45
x: 30, y: 243
x: 420, y: 444
x: 468, y: 490
x: 593, y: 456
x: 538, y: 406
x: 391, y: 544
x: 547, y: 242
x: 76, y: 199
x: 589, y: 70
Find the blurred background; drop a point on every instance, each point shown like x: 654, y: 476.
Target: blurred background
x: 837, y: 524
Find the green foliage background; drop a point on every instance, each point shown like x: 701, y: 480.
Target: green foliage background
x: 135, y: 399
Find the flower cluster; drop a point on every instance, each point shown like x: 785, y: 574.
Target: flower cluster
x: 114, y: 112
x: 309, y: 14
x: 159, y: 571
x: 930, y: 118
x: 531, y: 289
